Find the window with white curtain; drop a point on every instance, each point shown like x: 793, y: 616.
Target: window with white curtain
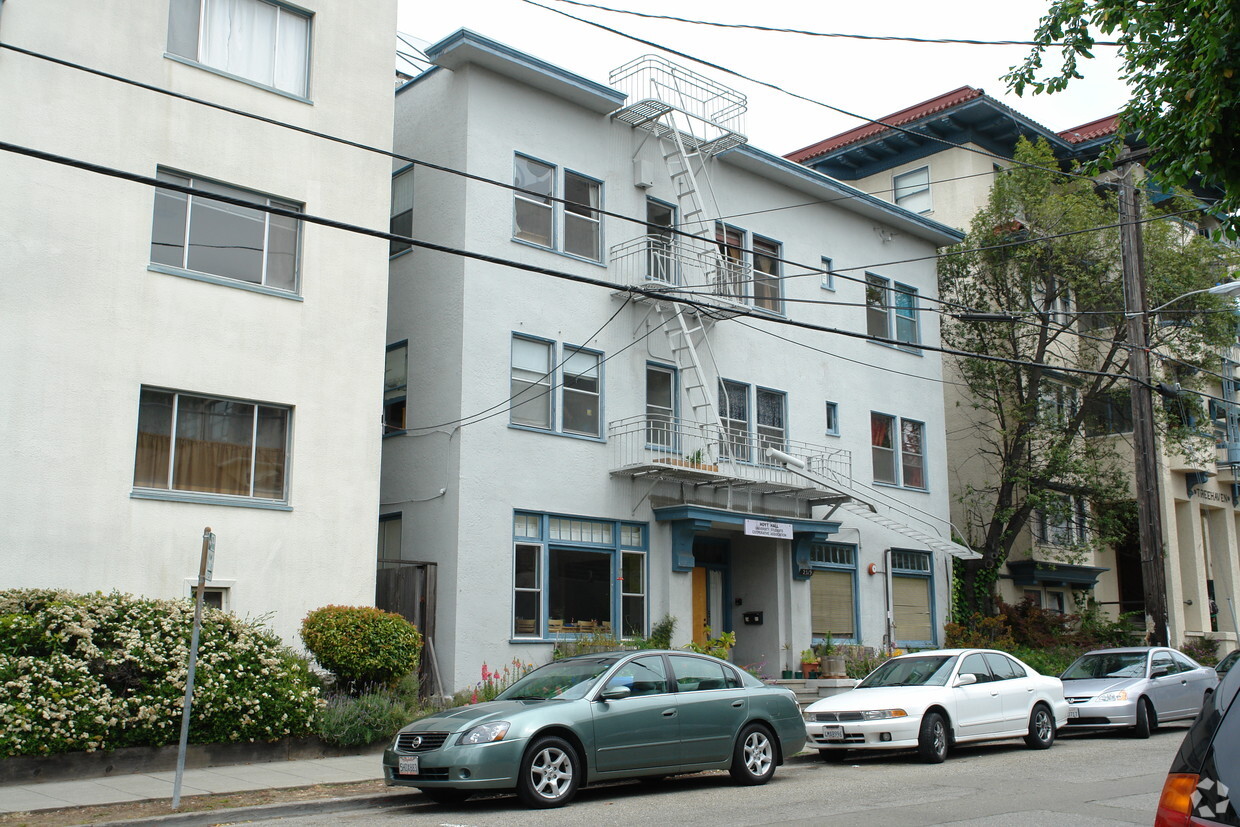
x: 267, y: 43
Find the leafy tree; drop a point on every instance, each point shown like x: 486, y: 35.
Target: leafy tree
x: 1022, y: 425
x: 1181, y: 59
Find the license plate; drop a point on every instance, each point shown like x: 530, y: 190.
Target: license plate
x: 833, y: 733
x: 409, y: 765
x: 1073, y: 712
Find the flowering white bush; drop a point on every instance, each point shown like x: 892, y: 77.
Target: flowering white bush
x: 96, y: 671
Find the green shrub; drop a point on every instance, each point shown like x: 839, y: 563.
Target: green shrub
x: 1049, y: 661
x: 362, y: 646
x: 1200, y: 649
x: 96, y: 671
x: 349, y: 721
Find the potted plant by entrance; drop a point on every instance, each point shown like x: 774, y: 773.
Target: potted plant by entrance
x: 830, y: 662
x: 787, y: 673
x: 809, y: 664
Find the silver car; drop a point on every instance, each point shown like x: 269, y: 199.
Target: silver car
x: 1136, y: 687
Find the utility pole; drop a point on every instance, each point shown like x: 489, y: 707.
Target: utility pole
x: 1144, y: 439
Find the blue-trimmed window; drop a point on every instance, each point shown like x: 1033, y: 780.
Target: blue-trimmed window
x: 912, y: 597
x: 395, y: 387
x: 572, y: 225
x: 769, y: 418
x: 833, y: 592
x: 564, y: 396
x: 898, y: 450
x: 198, y: 235
x: 578, y: 576
x: 266, y: 43
x: 661, y: 406
x: 230, y: 449
x: 767, y: 293
x: 833, y: 419
x: 401, y: 221
x: 828, y: 277
x: 892, y: 310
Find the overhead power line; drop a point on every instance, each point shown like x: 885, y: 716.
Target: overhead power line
x: 777, y: 30
x: 412, y: 161
x: 518, y: 265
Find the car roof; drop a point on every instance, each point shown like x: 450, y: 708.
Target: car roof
x: 1126, y: 649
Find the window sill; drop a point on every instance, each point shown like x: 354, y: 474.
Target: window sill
x: 562, y: 253
x: 197, y: 498
x: 911, y: 349
x: 204, y: 67
x: 534, y: 430
x: 831, y: 433
x: 194, y: 275
x: 897, y: 487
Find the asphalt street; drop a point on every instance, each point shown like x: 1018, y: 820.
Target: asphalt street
x: 1093, y: 780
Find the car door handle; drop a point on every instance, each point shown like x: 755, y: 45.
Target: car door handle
x: 994, y: 694
x: 669, y: 713
x: 738, y: 704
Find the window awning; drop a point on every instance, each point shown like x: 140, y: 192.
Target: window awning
x: 1039, y: 573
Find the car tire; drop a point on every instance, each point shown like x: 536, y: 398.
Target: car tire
x: 932, y: 739
x: 550, y: 773
x: 1041, y: 728
x: 753, y: 757
x: 1145, y: 719
x: 445, y: 795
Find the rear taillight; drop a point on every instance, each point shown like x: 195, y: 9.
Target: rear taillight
x: 1175, y: 807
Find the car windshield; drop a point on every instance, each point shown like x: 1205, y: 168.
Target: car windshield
x: 562, y: 680
x: 927, y: 671
x: 1106, y: 665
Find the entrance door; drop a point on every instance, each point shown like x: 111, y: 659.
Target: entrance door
x: 712, y: 588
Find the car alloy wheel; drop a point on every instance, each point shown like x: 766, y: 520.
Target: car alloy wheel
x: 753, y: 758
x: 1041, y: 728
x: 548, y: 773
x: 932, y: 739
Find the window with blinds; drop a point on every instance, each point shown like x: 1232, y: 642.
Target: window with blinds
x: 911, y: 602
x: 831, y: 604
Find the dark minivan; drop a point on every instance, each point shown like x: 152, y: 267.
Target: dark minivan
x: 1205, y: 772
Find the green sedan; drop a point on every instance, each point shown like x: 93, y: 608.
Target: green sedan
x: 602, y: 717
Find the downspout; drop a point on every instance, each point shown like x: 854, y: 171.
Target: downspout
x: 887, y: 598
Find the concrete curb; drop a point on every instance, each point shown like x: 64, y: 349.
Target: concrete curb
x: 267, y: 811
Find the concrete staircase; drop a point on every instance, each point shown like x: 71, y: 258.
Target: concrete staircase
x: 811, y: 690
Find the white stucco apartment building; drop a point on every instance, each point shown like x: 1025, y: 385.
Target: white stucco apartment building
x: 575, y: 456
x: 169, y: 362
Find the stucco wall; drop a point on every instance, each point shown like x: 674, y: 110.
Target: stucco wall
x: 86, y: 324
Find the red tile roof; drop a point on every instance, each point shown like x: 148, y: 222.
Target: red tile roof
x: 912, y: 113
x: 1091, y: 130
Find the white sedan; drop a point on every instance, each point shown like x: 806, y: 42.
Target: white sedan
x: 929, y: 701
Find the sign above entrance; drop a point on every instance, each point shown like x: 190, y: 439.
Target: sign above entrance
x: 766, y: 528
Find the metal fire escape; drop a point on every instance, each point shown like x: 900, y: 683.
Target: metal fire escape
x: 693, y: 119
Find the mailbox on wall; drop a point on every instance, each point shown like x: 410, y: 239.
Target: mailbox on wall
x: 753, y: 618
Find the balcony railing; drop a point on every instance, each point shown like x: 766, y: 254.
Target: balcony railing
x: 711, y: 114
x: 703, y: 452
x: 695, y: 267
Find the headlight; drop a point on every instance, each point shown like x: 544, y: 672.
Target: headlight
x: 876, y: 714
x: 1112, y: 697
x: 485, y: 733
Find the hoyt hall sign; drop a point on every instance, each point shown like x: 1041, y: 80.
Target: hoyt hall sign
x: 767, y: 528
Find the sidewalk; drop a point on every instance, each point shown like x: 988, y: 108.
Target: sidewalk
x: 158, y: 785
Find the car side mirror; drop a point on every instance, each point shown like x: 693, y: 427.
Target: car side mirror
x: 965, y: 679
x: 1159, y: 671
x: 615, y: 693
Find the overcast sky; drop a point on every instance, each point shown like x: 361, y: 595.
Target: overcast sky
x: 870, y: 78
